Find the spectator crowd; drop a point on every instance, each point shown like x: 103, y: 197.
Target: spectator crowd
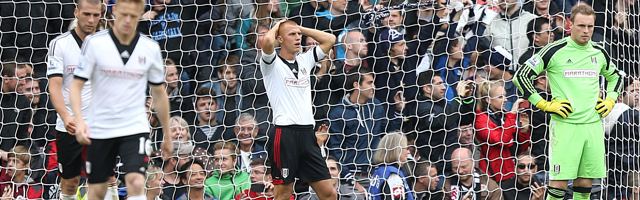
x: 415, y: 100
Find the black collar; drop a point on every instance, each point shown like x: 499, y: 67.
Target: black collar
x: 76, y: 37
x: 125, y: 51
x: 292, y: 66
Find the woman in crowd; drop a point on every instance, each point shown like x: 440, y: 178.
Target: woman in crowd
x: 388, y: 181
x: 153, y: 182
x: 500, y: 133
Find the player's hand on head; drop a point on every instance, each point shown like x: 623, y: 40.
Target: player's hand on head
x: 562, y: 107
x: 604, y: 107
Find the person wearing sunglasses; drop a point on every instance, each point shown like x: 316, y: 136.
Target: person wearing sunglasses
x: 524, y: 186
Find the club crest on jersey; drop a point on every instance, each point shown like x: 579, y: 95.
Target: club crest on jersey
x: 594, y: 60
x: 285, y: 172
x: 142, y: 60
x: 304, y: 71
x: 397, y: 192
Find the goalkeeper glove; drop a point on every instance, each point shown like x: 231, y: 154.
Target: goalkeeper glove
x: 604, y: 107
x: 562, y: 108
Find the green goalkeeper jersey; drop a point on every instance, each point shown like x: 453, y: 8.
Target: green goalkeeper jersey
x: 573, y: 73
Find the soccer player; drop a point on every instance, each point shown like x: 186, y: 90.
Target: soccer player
x: 64, y: 55
x: 573, y: 66
x: 119, y: 62
x: 292, y: 146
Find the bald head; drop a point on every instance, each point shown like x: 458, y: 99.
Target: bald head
x: 462, y: 163
x: 355, y: 44
x: 461, y: 154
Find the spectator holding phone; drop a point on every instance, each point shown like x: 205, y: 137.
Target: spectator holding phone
x: 433, y: 116
x: 524, y: 186
x: 261, y: 186
x: 500, y: 133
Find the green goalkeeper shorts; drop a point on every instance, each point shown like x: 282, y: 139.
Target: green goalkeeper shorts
x: 576, y: 150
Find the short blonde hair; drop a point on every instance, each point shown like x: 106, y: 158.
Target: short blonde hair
x: 227, y: 145
x: 20, y: 153
x: 183, y: 124
x: 152, y: 173
x: 582, y: 9
x: 390, y: 148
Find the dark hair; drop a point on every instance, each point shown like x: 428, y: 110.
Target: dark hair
x: 526, y: 153
x: 535, y: 27
x: 252, y: 33
x: 9, y: 68
x: 205, y: 92
x: 422, y: 168
x: 426, y: 78
x: 356, y: 74
x: 231, y: 61
x: 626, y: 82
x: 186, y: 166
x: 90, y: 2
x: 335, y: 160
x: 263, y: 162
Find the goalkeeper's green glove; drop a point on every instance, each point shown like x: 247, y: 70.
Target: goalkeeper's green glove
x: 604, y: 107
x: 562, y: 108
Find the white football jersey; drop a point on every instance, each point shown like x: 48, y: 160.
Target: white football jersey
x: 120, y: 75
x: 63, y: 58
x: 289, y: 87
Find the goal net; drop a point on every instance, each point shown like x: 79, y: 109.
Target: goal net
x: 425, y: 86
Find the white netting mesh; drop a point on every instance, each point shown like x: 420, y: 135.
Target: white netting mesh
x: 458, y: 41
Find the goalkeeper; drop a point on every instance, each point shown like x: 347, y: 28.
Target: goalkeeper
x: 573, y: 65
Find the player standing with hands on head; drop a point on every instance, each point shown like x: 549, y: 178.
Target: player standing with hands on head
x: 574, y: 65
x: 117, y: 123
x: 292, y: 147
x: 64, y: 55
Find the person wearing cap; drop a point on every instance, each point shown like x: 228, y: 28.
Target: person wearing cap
x: 393, y: 78
x: 173, y: 187
x: 433, y: 118
x: 500, y: 68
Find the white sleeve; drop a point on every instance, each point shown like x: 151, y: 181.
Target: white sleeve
x: 155, y: 74
x: 312, y: 56
x: 87, y: 61
x: 55, y: 62
x: 396, y: 186
x: 266, y: 62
